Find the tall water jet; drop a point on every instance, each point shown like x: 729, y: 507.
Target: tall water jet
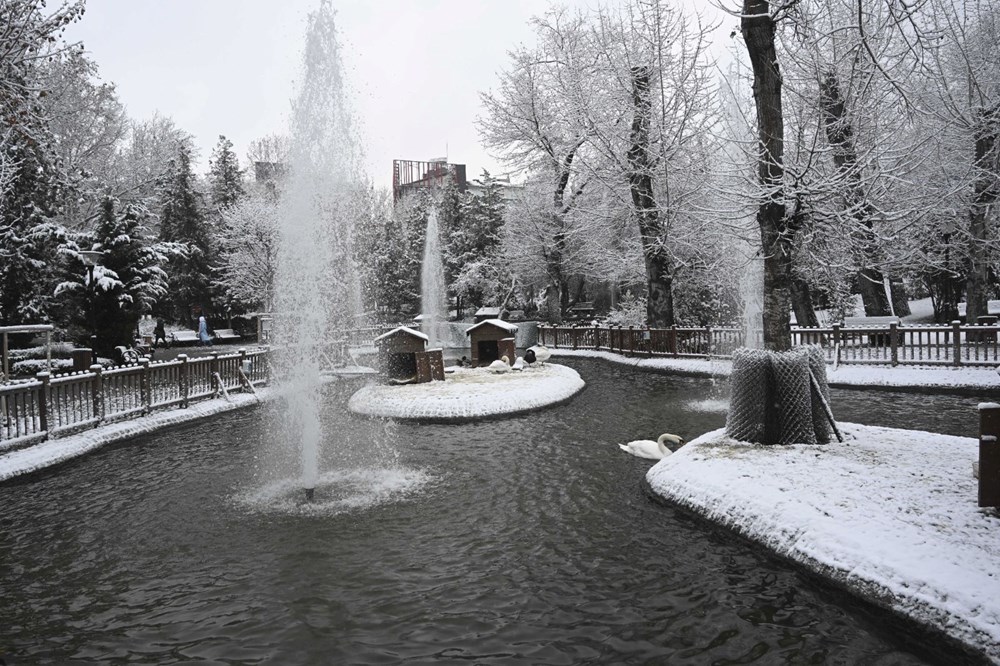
x: 433, y: 297
x: 314, y: 275
x: 752, y: 292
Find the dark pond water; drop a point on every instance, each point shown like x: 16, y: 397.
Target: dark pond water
x: 529, y: 540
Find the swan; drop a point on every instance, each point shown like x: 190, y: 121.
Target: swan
x: 647, y: 448
x: 539, y: 353
x: 500, y: 365
x: 518, y: 364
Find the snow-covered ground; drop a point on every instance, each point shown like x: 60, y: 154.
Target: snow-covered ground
x: 891, y: 514
x: 926, y: 377
x: 469, y: 393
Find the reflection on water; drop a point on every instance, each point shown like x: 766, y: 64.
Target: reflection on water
x: 525, y: 540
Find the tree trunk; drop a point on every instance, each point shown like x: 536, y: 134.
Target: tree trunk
x: 840, y: 136
x: 986, y: 192
x: 776, y: 230
x: 805, y: 315
x: 659, y: 266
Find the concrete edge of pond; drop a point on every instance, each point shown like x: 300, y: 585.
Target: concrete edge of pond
x: 470, y: 395
x: 929, y: 380
x: 889, y: 517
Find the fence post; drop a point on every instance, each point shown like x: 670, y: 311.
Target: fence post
x: 597, y: 337
x: 673, y: 339
x: 541, y: 334
x: 989, y: 454
x: 956, y: 349
x: 185, y: 384
x: 894, y: 342
x: 98, y: 391
x: 836, y: 343
x: 631, y: 340
x: 647, y: 337
x: 144, y: 386
x: 708, y: 341
x: 215, y: 377
x: 43, y: 402
x: 573, y: 333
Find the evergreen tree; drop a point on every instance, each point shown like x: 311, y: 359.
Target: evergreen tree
x: 128, y: 280
x: 473, y: 251
x: 224, y: 175
x: 31, y: 179
x: 183, y: 222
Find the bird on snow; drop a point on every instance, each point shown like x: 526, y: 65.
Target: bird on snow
x: 647, y: 448
x: 518, y: 364
x: 537, y: 353
x: 499, y: 366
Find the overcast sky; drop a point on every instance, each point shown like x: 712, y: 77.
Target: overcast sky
x: 229, y: 67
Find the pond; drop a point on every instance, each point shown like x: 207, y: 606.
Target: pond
x: 525, y: 540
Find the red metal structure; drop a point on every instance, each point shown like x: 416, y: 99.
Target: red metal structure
x: 410, y: 175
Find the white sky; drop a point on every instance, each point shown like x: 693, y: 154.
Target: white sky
x: 229, y: 66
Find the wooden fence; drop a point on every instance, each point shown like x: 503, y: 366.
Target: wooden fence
x: 954, y: 344
x: 49, y: 406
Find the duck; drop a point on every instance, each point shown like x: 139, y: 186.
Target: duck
x: 647, y: 448
x: 537, y: 353
x: 499, y: 366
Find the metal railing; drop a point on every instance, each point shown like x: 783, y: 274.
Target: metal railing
x: 49, y: 406
x: 894, y: 344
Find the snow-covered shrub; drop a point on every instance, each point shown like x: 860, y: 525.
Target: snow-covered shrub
x: 30, y: 367
x: 630, y: 311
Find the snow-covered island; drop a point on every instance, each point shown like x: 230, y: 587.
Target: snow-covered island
x: 470, y: 393
x: 889, y: 514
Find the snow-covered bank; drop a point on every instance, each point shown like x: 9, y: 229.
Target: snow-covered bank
x: 845, y: 376
x: 469, y: 393
x: 56, y: 451
x: 890, y: 514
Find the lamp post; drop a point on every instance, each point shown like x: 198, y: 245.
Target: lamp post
x: 92, y: 258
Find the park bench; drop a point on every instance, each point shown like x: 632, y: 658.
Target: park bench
x: 875, y: 339
x: 226, y: 335
x: 183, y: 337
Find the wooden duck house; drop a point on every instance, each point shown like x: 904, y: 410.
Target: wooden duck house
x: 490, y: 340
x: 404, y: 358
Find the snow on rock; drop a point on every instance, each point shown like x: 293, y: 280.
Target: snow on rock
x: 59, y: 450
x: 470, y: 393
x: 845, y: 376
x: 891, y: 514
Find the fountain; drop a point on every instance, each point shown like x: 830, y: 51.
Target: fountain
x: 433, y: 297
x: 314, y: 281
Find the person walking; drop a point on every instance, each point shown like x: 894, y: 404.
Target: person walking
x: 160, y: 333
x: 204, y: 337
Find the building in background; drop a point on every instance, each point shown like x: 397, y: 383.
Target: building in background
x: 410, y: 176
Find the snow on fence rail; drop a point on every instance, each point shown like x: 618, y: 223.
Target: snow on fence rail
x: 893, y: 344
x: 48, y: 406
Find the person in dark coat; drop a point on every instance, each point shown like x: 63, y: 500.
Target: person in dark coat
x: 160, y: 333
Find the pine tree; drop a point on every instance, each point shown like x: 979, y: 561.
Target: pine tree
x: 183, y: 221
x: 224, y: 175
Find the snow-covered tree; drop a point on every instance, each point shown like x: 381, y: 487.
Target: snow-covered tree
x: 225, y: 179
x: 183, y: 221
x: 247, y: 253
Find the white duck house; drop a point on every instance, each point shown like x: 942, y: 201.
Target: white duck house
x: 490, y: 340
x: 404, y: 357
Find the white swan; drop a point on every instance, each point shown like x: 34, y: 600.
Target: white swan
x: 518, y: 364
x: 647, y: 448
x: 500, y: 365
x: 537, y: 353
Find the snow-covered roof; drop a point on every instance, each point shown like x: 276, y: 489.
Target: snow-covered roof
x: 402, y: 329
x: 499, y: 323
x: 488, y: 310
